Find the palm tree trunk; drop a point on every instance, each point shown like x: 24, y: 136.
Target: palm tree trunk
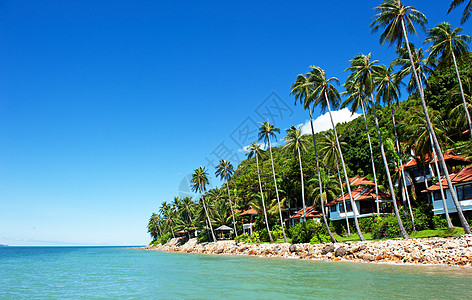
x: 372, y: 159
x: 353, y: 205
x: 389, y: 178
x: 208, y: 216
x: 277, y: 191
x: 462, y: 92
x: 331, y: 236
x: 443, y: 197
x: 262, y: 197
x: 303, y: 184
x: 342, y: 193
x: 397, y: 144
x: 429, y: 126
x: 231, y: 205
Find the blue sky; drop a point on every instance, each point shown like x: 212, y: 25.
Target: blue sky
x: 106, y: 106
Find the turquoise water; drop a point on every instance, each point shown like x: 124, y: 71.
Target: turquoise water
x: 118, y: 272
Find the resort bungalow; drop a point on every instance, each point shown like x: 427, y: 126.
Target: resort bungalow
x: 364, y: 199
x: 310, y: 213
x: 462, y: 183
x: 249, y: 218
x: 223, y: 232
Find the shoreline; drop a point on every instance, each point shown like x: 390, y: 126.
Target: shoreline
x: 450, y: 251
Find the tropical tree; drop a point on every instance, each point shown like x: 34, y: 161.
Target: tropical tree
x: 169, y: 215
x: 457, y: 113
x: 399, y: 20
x: 325, y: 95
x: 330, y: 190
x: 296, y: 142
x: 302, y: 90
x: 467, y: 10
x: 225, y: 170
x: 363, y: 69
x: 266, y: 131
x: 253, y: 150
x: 449, y: 43
x: 357, y: 97
x: 199, y: 183
x: 330, y: 154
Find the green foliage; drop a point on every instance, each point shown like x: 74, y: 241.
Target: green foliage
x: 203, y: 236
x: 439, y: 222
x: 165, y: 238
x: 387, y: 226
x: 304, y: 232
x: 367, y: 224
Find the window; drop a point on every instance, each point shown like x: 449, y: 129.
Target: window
x: 437, y: 196
x: 464, y: 192
x: 348, y: 207
x: 332, y: 208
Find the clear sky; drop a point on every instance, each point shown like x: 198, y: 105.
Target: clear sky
x: 106, y: 106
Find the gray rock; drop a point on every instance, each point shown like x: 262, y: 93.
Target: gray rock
x: 327, y: 249
x: 341, y: 251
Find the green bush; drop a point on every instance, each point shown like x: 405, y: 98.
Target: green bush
x: 304, y: 232
x: 165, y: 238
x: 366, y: 224
x: 439, y: 222
x: 242, y: 238
x: 320, y: 238
x: 385, y: 227
x: 202, y: 236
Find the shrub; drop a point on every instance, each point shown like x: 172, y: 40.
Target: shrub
x: 439, y: 222
x: 202, y: 236
x: 243, y: 238
x: 366, y: 224
x: 320, y: 238
x: 304, y: 232
x: 385, y: 227
x: 165, y: 238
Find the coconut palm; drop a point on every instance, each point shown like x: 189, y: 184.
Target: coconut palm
x: 169, y: 215
x: 296, y: 142
x: 254, y: 150
x: 457, y: 113
x: 449, y: 43
x: 388, y: 90
x: 467, y: 10
x: 225, y: 170
x: 199, y: 183
x: 302, y: 90
x: 330, y: 190
x: 325, y: 95
x: 399, y: 20
x: 363, y: 69
x: 330, y: 154
x: 357, y: 97
x: 266, y: 131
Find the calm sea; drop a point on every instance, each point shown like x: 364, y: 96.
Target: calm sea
x: 119, y: 272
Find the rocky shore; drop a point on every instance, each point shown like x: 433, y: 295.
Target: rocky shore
x: 453, y: 251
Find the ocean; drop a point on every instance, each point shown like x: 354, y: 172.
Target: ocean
x: 128, y: 273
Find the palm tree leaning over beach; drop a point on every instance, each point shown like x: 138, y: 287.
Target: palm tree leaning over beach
x: 199, y: 183
x: 225, y: 170
x: 266, y: 131
x: 363, y: 68
x: 449, y: 43
x: 467, y: 10
x: 296, y: 143
x: 393, y: 15
x: 357, y: 98
x: 325, y: 93
x: 302, y: 90
x: 254, y: 150
x: 330, y: 157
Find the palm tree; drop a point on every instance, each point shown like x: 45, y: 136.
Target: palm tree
x: 266, y: 131
x: 199, y: 183
x: 325, y: 93
x: 168, y: 212
x: 449, y: 43
x: 254, y: 150
x: 457, y: 113
x: 329, y: 191
x: 363, y: 69
x: 331, y: 154
x: 357, y: 97
x: 302, y: 90
x: 225, y: 170
x: 388, y: 89
x: 296, y: 142
x: 393, y: 15
x: 467, y: 10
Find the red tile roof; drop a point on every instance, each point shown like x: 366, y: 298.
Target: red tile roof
x: 310, y: 212
x: 449, y: 156
x: 250, y: 211
x: 358, y: 180
x: 464, y: 175
x: 361, y: 193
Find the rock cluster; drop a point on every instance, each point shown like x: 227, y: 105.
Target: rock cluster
x: 439, y: 251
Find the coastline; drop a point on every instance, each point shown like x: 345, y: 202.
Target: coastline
x: 451, y: 251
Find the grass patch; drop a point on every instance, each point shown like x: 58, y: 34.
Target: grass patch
x: 353, y: 238
x: 443, y: 232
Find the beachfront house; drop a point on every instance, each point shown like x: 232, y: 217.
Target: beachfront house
x: 462, y: 183
x: 248, y: 220
x: 364, y: 197
x: 310, y: 213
